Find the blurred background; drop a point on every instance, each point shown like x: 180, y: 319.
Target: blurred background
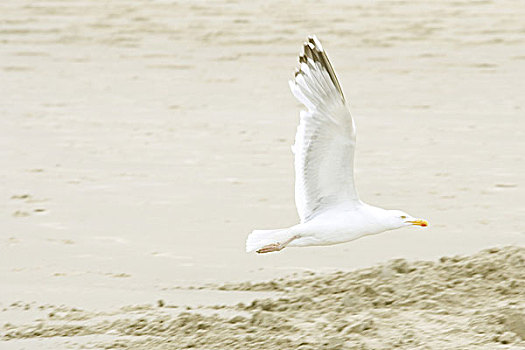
x: 141, y: 141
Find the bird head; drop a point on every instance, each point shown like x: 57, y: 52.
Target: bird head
x: 398, y: 218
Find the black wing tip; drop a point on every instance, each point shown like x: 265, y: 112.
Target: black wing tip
x: 313, y: 50
x: 312, y: 39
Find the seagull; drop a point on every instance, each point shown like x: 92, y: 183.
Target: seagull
x: 327, y: 202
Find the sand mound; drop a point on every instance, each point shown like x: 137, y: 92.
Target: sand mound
x: 474, y: 302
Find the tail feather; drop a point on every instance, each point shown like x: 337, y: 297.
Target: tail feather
x: 259, y: 238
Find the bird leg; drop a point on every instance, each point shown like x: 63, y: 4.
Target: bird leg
x: 275, y: 247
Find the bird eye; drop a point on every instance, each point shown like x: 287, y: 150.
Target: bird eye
x: 403, y: 217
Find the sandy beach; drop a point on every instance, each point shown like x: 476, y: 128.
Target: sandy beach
x: 457, y: 302
x: 141, y: 141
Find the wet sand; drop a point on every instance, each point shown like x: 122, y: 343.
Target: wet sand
x: 140, y: 142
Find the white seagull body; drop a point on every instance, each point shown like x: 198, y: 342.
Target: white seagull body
x: 327, y: 201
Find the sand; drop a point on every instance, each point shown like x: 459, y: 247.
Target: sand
x: 474, y: 302
x: 141, y: 141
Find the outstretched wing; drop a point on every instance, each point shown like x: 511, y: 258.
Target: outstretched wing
x: 325, y: 139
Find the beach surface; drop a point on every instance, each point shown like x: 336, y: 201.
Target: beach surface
x: 141, y: 141
x: 474, y: 302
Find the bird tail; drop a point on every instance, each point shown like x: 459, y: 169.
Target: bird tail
x: 259, y: 238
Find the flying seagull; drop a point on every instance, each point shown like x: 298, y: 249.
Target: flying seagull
x: 327, y: 202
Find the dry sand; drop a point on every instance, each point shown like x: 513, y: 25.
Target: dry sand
x: 140, y: 141
x: 475, y: 302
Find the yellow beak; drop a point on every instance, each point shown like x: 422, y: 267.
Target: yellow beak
x: 419, y: 222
